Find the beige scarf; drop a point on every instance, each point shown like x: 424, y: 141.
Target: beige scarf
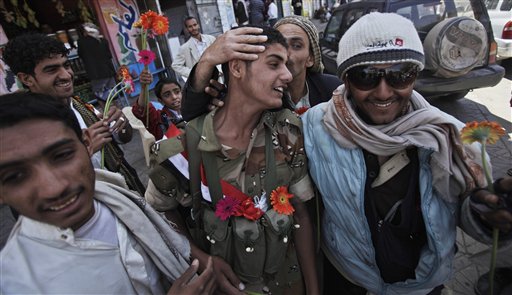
x: 455, y: 168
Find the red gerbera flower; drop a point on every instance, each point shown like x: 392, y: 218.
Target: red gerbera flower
x: 160, y: 25
x: 226, y: 208
x: 301, y: 110
x: 280, y: 200
x: 248, y: 210
x: 146, y: 57
x: 147, y: 18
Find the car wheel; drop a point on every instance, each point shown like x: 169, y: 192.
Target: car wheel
x: 454, y: 46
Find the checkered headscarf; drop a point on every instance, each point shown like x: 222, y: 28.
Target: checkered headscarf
x: 313, y: 38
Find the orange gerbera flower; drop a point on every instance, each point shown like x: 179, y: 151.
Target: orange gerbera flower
x: 160, y: 25
x: 147, y: 19
x: 488, y: 132
x: 123, y: 73
x: 280, y: 200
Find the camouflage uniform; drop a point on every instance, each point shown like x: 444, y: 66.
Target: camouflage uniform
x: 244, y: 170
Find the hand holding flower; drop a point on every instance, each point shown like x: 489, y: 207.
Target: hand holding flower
x: 495, y: 209
x: 485, y: 201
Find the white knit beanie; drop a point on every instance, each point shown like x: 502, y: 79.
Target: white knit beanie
x: 379, y: 38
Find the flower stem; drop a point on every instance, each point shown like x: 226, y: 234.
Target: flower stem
x: 495, y: 231
x: 108, y: 102
x: 486, y: 169
x: 494, y: 251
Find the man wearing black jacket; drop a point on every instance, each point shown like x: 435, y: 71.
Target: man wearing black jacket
x: 309, y: 87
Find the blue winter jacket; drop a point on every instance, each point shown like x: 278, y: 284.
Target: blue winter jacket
x: 340, y: 175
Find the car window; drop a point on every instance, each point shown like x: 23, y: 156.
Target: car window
x: 351, y: 17
x: 491, y: 4
x: 427, y: 14
x: 332, y: 30
x: 502, y: 5
x: 506, y: 5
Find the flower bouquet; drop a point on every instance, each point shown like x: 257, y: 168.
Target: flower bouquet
x: 151, y: 24
x: 253, y: 209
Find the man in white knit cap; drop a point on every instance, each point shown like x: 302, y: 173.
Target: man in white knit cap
x: 392, y: 171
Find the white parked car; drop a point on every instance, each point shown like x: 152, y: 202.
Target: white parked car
x: 500, y: 13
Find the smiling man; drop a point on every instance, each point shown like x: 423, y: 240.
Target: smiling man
x: 190, y: 52
x: 79, y: 233
x: 392, y: 171
x: 250, y: 148
x: 41, y: 64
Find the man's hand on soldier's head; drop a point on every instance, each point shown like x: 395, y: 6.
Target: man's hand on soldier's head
x: 239, y: 43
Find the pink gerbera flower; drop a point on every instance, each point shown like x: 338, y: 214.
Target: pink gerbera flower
x: 146, y: 57
x: 226, y: 207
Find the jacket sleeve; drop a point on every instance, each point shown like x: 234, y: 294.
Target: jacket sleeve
x: 154, y: 119
x: 179, y: 63
x: 194, y: 103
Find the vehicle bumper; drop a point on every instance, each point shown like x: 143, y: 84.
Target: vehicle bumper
x: 504, y: 48
x: 477, y: 78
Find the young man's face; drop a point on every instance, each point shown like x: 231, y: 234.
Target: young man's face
x: 266, y: 78
x: 192, y: 27
x: 52, y: 76
x: 46, y: 173
x: 299, y: 57
x: 381, y: 104
x: 171, y: 96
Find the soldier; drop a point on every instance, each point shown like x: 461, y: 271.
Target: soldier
x: 257, y: 181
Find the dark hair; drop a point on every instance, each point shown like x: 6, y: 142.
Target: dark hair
x: 188, y: 18
x: 160, y: 84
x: 273, y: 37
x: 24, y: 52
x: 18, y: 107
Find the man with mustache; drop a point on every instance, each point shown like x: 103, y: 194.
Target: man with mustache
x: 79, y: 233
x: 190, y: 52
x: 394, y: 176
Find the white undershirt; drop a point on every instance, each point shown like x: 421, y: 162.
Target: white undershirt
x: 101, y: 226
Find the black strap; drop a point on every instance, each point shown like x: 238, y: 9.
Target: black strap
x: 194, y: 165
x: 270, y: 163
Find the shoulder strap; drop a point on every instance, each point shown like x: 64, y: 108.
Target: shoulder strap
x: 270, y: 163
x: 193, y: 137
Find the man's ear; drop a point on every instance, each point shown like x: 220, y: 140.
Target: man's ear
x: 311, y: 61
x: 26, y: 79
x: 236, y: 67
x: 87, y: 140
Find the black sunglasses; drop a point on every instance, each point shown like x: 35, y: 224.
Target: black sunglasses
x: 398, y: 76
